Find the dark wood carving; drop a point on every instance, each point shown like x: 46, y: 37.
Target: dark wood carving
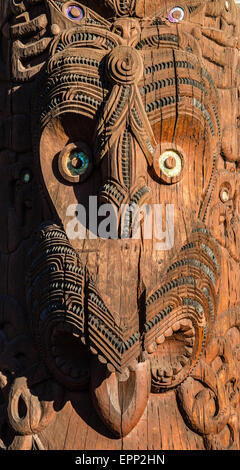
x: 124, y: 341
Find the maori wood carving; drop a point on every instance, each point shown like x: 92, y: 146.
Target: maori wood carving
x: 123, y: 342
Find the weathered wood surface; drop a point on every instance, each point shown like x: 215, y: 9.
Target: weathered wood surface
x: 114, y: 343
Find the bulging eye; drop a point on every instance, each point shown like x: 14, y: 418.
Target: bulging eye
x: 176, y: 15
x: 169, y: 166
x: 75, y: 162
x: 74, y: 12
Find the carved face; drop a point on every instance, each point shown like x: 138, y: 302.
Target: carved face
x: 129, y: 143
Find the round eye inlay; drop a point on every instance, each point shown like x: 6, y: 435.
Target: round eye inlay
x: 224, y: 194
x: 77, y: 162
x: 170, y: 164
x: 227, y: 5
x: 176, y: 14
x: 74, y: 12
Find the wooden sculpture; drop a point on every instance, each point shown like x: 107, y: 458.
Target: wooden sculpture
x: 123, y: 342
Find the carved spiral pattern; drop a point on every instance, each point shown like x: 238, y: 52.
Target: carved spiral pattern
x: 125, y: 66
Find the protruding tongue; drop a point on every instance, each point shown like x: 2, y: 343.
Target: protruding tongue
x: 120, y: 399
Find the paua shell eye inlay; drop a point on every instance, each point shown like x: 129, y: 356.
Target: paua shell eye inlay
x: 176, y: 14
x: 170, y: 164
x: 75, y: 162
x: 74, y: 12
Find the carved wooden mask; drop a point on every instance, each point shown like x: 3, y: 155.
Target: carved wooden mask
x: 115, y: 111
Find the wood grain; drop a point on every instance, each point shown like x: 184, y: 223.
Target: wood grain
x: 126, y: 339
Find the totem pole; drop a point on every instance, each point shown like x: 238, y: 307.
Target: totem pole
x: 123, y: 342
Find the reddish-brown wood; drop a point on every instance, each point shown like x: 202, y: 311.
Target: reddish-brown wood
x: 124, y: 341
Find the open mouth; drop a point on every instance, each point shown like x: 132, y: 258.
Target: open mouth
x: 171, y: 353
